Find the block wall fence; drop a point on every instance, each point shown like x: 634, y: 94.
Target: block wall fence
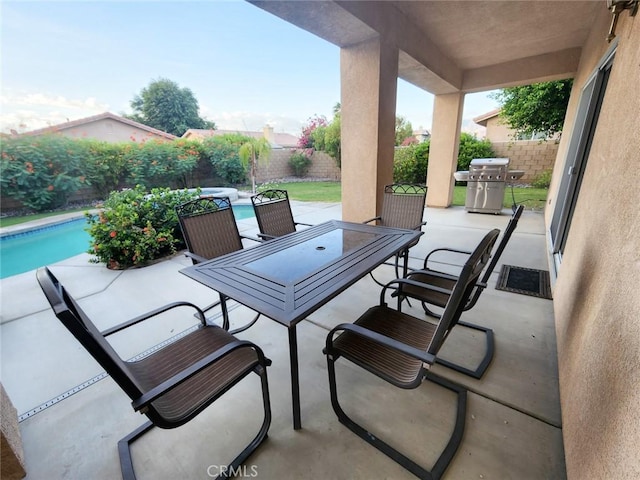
x: 322, y: 167
x: 532, y: 156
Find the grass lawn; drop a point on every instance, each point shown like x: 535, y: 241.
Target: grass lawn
x: 9, y: 221
x: 532, y: 198
x: 312, y: 191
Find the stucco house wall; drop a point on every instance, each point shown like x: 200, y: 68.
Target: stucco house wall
x: 596, y: 296
x: 497, y: 130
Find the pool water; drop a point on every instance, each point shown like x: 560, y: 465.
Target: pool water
x: 27, y: 251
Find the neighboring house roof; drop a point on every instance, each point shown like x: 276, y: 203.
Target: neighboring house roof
x: 277, y: 140
x: 96, y: 118
x: 483, y: 119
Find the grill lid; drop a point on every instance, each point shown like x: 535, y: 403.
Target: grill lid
x: 493, y: 162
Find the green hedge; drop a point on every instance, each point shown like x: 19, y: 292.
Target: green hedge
x: 44, y: 172
x: 410, y: 163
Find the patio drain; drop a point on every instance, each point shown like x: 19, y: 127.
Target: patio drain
x: 100, y: 376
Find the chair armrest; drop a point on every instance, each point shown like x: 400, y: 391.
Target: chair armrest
x: 433, y: 273
x: 142, y: 402
x: 372, y: 219
x: 446, y: 276
x: 419, y: 226
x: 153, y: 313
x: 194, y: 257
x: 405, y: 281
x: 453, y: 250
x: 252, y: 238
x: 264, y: 236
x: 379, y: 338
x: 305, y: 224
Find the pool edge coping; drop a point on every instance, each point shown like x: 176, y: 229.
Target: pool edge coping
x: 43, y: 223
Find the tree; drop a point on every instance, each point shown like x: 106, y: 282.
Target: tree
x: 470, y: 147
x: 325, y: 137
x: 251, y: 152
x: 165, y: 106
x: 540, y: 107
x: 404, y: 130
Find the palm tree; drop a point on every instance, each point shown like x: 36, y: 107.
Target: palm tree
x: 251, y: 152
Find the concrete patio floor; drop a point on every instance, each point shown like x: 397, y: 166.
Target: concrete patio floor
x: 513, y: 422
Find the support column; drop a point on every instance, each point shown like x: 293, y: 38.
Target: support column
x: 443, y: 151
x: 368, y: 76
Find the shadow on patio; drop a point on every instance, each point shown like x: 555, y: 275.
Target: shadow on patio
x: 513, y: 423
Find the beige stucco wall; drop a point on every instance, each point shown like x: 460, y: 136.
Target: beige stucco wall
x: 597, y: 294
x: 110, y: 130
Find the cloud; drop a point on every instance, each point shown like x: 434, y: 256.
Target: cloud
x: 252, y: 121
x: 29, y: 111
x: 44, y: 100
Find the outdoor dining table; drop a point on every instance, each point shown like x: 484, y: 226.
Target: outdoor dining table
x: 288, y: 278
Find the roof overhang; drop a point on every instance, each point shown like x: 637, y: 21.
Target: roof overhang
x: 457, y: 46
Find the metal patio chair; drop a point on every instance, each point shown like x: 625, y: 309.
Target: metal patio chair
x: 402, y: 207
x: 429, y: 297
x: 210, y: 230
x: 175, y: 383
x: 400, y: 349
x: 273, y: 213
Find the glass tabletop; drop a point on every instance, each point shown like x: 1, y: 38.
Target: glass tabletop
x: 299, y: 260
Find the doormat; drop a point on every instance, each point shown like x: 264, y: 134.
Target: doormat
x: 526, y: 281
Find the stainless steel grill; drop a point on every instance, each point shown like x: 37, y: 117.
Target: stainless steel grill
x: 486, y: 184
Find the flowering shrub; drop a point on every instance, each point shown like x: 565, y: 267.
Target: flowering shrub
x: 105, y: 166
x: 306, y: 139
x: 222, y: 153
x: 42, y: 172
x: 300, y: 161
x: 136, y: 226
x: 161, y: 163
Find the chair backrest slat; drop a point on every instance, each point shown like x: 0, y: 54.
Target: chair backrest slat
x: 462, y: 290
x: 273, y: 213
x: 403, y: 205
x: 209, y: 227
x: 84, y: 330
x: 511, y: 226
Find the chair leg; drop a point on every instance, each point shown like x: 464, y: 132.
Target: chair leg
x: 486, y: 360
x: 124, y: 445
x: 428, y: 312
x: 124, y: 450
x: 447, y: 454
x: 235, y: 465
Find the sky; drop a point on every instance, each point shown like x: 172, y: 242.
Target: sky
x: 62, y: 61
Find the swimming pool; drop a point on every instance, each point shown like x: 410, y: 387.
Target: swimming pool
x: 29, y: 250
